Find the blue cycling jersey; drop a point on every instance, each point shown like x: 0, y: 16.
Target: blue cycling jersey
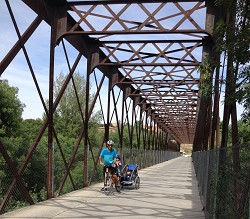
x: 108, y: 156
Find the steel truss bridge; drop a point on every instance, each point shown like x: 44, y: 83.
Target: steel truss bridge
x: 140, y: 57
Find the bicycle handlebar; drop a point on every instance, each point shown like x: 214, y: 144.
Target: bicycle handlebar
x: 109, y: 165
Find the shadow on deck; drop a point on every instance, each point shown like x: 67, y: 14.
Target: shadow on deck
x: 168, y: 190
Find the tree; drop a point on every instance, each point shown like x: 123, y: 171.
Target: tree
x: 16, y: 135
x: 69, y: 115
x: 11, y: 110
x: 244, y: 94
x: 234, y: 41
x: 242, y: 56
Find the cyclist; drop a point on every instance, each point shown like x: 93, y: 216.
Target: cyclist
x: 107, y: 159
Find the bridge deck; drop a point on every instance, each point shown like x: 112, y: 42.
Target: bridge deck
x: 168, y: 190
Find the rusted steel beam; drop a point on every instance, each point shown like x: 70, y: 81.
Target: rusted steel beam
x: 115, y: 102
x: 80, y: 43
x: 71, y: 25
x: 18, y: 46
x: 92, y: 58
x: 204, y: 102
x: 25, y: 37
x: 67, y: 172
x: 24, y: 164
x: 90, y: 111
x: 161, y: 95
x: 132, y: 32
x: 97, y: 2
x: 156, y: 82
x: 141, y: 55
x: 119, y: 64
x: 122, y: 117
x: 103, y: 42
x: 51, y: 97
x: 63, y: 158
x: 17, y: 177
x: 38, y: 136
x: 86, y: 122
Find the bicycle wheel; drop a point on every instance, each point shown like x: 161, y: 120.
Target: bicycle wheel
x: 137, y: 182
x: 108, y: 184
x: 118, y: 187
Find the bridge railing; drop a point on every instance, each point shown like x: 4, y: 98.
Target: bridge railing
x: 224, y: 180
x: 35, y: 175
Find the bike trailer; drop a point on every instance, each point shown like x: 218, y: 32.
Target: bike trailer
x: 130, y: 176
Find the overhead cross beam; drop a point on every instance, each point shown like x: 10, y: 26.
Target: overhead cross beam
x: 151, y: 56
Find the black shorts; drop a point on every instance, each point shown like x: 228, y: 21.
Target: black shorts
x: 113, y: 170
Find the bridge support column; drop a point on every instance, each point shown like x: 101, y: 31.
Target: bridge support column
x: 203, y: 126
x: 92, y: 61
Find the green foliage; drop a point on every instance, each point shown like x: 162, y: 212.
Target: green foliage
x: 234, y: 38
x: 29, y: 128
x: 225, y: 3
x: 38, y: 196
x: 243, y: 93
x: 11, y: 110
x: 237, y: 184
x: 244, y: 133
x: 68, y: 115
x: 206, y: 72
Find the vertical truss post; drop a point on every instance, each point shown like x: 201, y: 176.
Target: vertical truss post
x: 147, y: 130
x: 157, y: 140
x: 166, y: 145
x: 153, y: 142
x: 51, y: 91
x: 107, y: 125
x: 92, y: 61
x: 203, y: 119
x: 139, y: 134
x: 58, y: 25
x: 161, y: 144
x: 86, y: 122
x: 122, y: 118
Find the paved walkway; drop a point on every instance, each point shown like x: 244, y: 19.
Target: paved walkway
x: 168, y: 190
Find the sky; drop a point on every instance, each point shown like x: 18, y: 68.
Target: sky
x: 18, y: 73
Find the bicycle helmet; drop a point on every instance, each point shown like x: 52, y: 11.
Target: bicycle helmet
x: 110, y: 142
x: 117, y: 156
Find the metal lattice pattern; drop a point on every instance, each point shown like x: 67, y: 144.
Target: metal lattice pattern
x: 159, y: 60
x: 147, y: 52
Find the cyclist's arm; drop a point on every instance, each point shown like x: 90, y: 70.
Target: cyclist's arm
x: 100, y: 161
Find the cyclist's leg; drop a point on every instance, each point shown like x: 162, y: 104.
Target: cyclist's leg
x: 103, y: 172
x: 108, y: 184
x: 114, y: 175
x: 116, y: 179
x: 117, y: 183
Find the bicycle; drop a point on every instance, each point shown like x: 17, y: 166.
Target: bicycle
x: 109, y: 181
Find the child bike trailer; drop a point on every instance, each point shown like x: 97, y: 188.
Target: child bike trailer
x: 130, y: 176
